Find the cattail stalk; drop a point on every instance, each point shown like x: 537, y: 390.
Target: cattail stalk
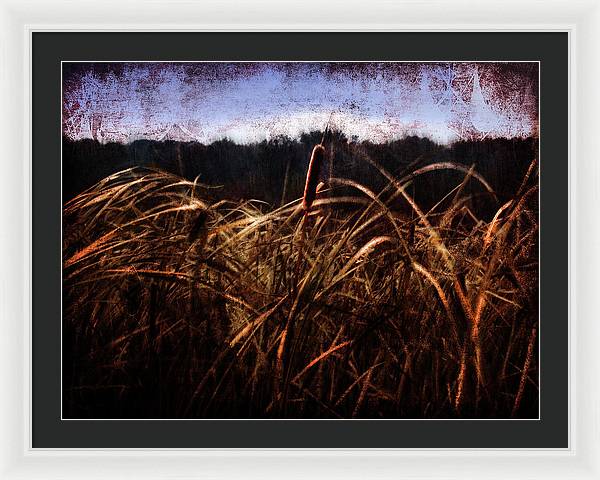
x: 310, y: 193
x: 312, y: 177
x: 461, y: 379
x: 525, y: 371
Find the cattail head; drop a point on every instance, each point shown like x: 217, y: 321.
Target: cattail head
x: 198, y: 226
x: 312, y: 177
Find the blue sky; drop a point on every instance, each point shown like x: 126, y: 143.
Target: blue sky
x: 249, y: 102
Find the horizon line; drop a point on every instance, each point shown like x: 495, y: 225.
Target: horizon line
x: 298, y: 138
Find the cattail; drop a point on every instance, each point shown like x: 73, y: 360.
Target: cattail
x: 198, y: 226
x: 312, y: 177
x: 525, y: 371
x: 461, y: 379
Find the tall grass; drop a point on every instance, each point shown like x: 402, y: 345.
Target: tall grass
x: 332, y: 306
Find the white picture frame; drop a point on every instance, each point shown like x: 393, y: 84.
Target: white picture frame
x: 18, y: 19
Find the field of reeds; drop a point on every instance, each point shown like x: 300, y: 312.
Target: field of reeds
x: 351, y: 302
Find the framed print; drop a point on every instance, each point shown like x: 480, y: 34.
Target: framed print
x: 251, y: 244
x: 267, y: 243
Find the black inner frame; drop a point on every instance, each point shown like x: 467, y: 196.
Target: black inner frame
x: 49, y: 431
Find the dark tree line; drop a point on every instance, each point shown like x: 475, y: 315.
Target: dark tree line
x: 274, y: 171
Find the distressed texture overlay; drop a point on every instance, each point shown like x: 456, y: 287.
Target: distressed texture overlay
x: 249, y: 102
x: 300, y: 240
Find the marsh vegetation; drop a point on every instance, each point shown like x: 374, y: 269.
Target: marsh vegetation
x: 394, y: 290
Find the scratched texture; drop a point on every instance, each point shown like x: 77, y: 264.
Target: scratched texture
x: 250, y: 102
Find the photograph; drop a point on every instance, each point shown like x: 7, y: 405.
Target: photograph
x: 300, y: 240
